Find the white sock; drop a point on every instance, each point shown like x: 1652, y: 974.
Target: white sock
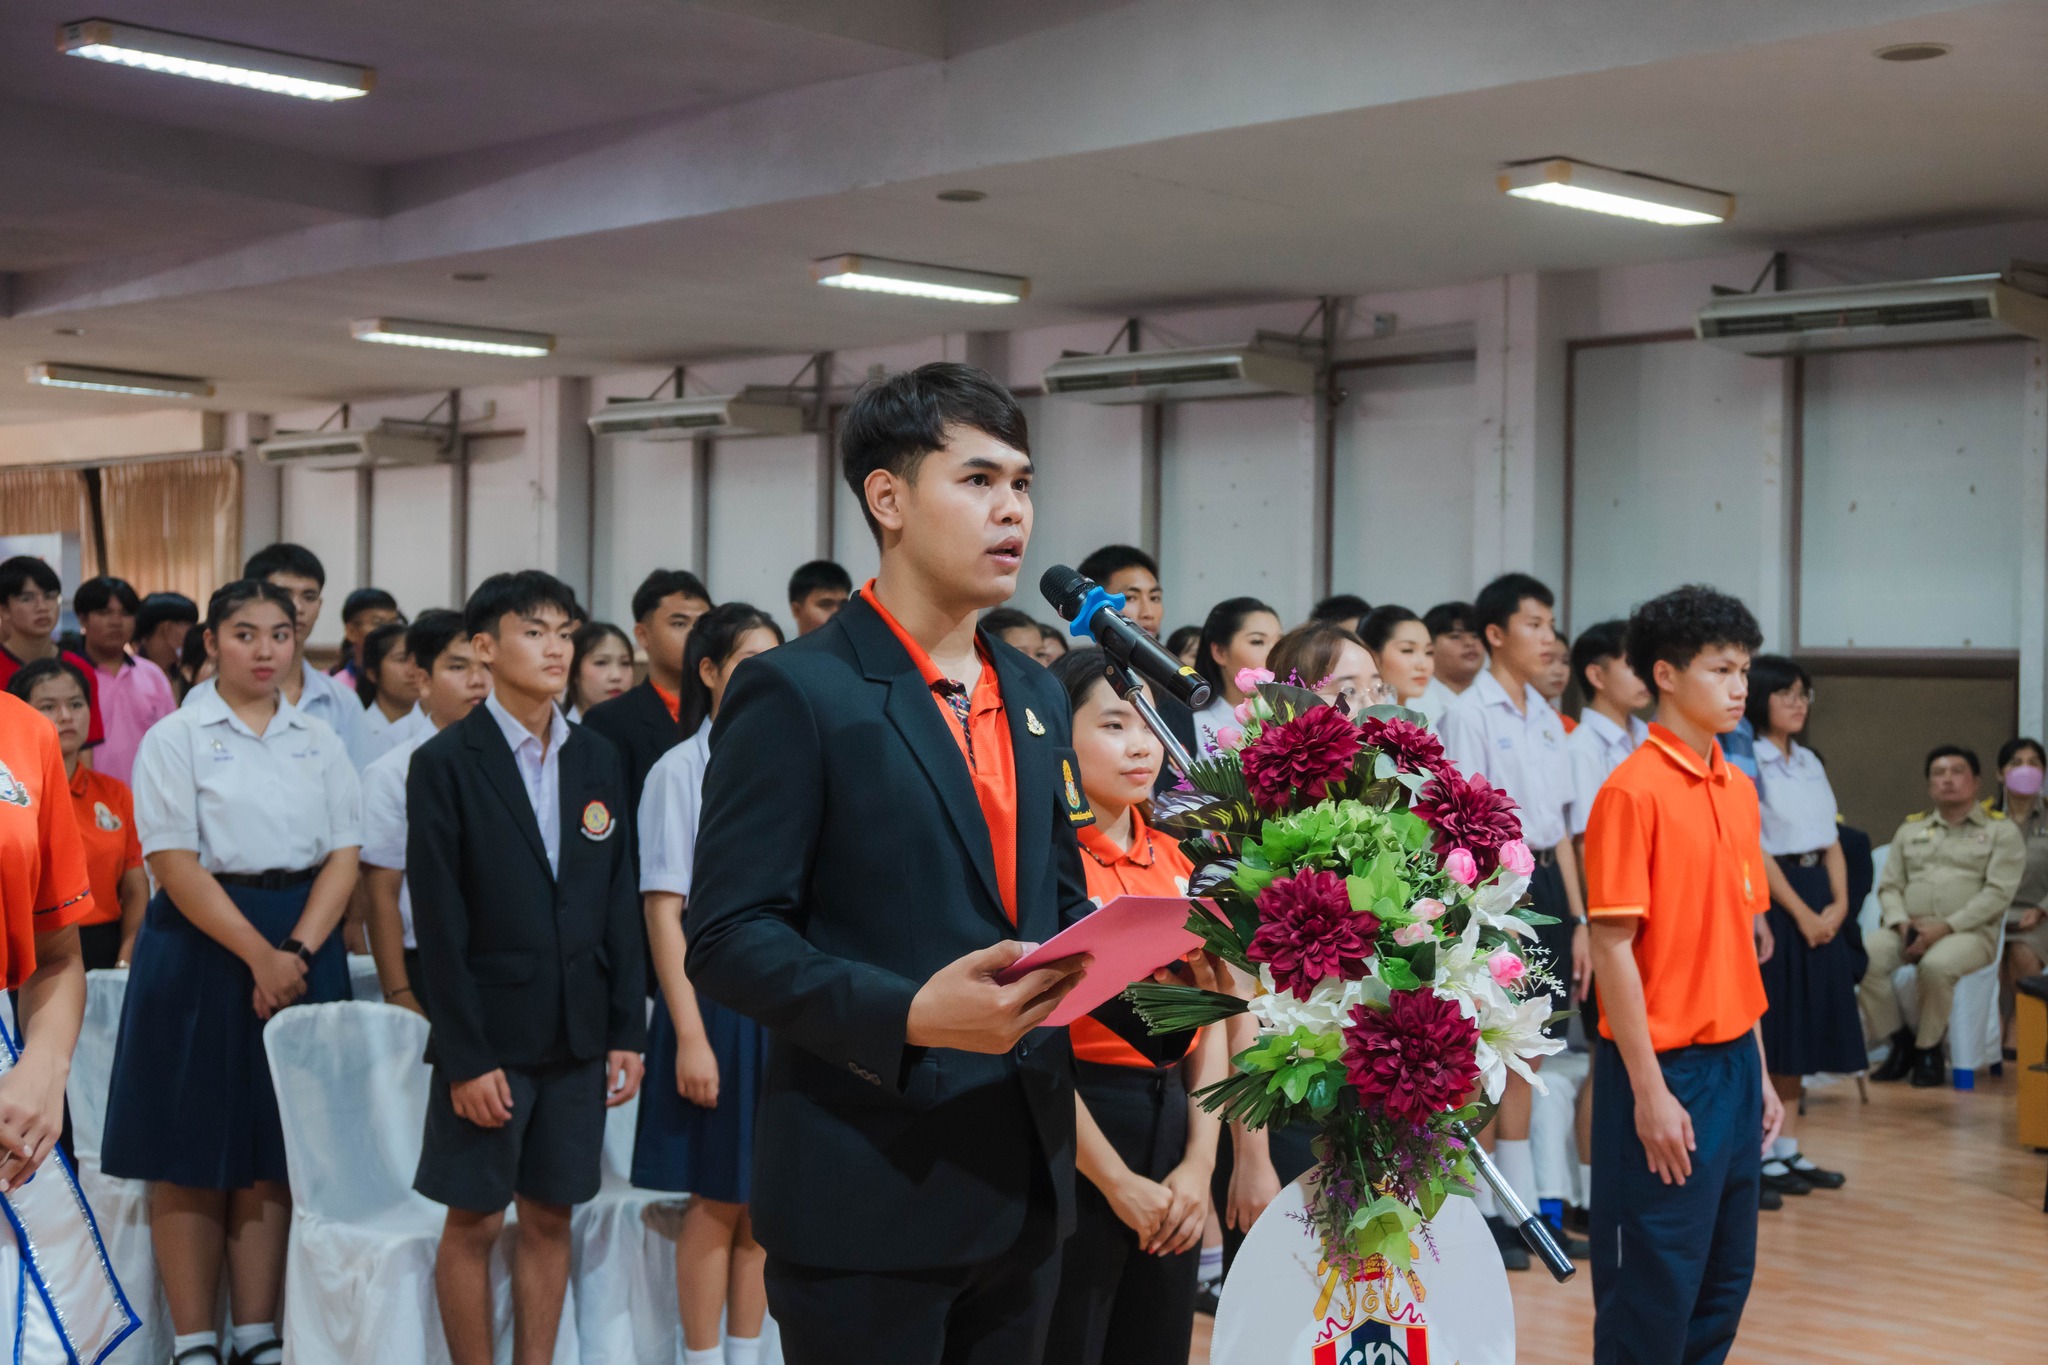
x: 192, y: 1339
x: 1488, y: 1206
x: 247, y: 1336
x: 714, y: 1356
x: 1518, y: 1167
x: 1775, y: 1167
x: 742, y: 1351
x: 1585, y: 1184
x: 1785, y: 1148
x: 1209, y: 1268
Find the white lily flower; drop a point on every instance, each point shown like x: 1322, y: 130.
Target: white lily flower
x: 1327, y: 1009
x: 1514, y: 1033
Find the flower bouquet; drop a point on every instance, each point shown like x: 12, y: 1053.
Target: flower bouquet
x: 1370, y: 891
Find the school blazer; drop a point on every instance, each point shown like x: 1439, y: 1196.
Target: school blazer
x: 842, y: 859
x: 522, y: 968
x: 639, y: 726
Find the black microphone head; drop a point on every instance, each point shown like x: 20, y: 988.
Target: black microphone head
x: 1064, y: 589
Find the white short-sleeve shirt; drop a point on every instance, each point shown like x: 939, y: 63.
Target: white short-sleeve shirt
x: 384, y: 812
x: 1521, y: 752
x: 1596, y: 749
x: 326, y: 699
x: 669, y: 809
x: 245, y: 802
x: 1798, y: 802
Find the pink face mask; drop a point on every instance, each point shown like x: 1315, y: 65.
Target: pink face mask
x: 2024, y: 780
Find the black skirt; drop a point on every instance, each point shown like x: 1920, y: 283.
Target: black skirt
x: 1812, y: 1024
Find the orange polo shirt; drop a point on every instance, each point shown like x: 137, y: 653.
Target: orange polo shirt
x: 44, y: 885
x: 1676, y: 843
x: 105, y: 811
x: 1152, y: 866
x: 984, y: 747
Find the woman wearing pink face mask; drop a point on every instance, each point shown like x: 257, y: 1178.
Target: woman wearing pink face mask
x: 2021, y: 763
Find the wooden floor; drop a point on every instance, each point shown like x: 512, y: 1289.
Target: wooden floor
x: 1936, y: 1249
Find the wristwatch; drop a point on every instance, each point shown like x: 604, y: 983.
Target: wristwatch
x: 292, y: 945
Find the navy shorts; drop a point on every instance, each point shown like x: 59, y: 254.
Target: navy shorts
x: 552, y: 1150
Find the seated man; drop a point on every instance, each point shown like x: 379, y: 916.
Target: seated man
x: 1950, y: 875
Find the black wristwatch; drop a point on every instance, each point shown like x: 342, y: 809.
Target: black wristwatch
x: 292, y: 945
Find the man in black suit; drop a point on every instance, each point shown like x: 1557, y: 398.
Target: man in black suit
x: 525, y: 906
x: 1130, y: 572
x: 642, y: 722
x: 888, y: 822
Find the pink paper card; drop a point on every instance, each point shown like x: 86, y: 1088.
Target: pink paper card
x: 1130, y: 938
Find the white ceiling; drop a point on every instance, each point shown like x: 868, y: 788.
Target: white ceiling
x: 656, y: 241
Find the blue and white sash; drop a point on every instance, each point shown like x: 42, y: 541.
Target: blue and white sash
x: 59, y: 1300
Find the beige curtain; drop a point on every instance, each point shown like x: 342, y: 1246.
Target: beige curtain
x: 42, y: 501
x: 174, y: 525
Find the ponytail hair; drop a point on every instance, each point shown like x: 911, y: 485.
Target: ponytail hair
x: 716, y: 635
x: 230, y: 598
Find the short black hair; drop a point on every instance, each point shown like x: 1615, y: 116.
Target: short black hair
x: 160, y: 607
x: 377, y: 647
x: 519, y: 594
x: 1768, y: 674
x: 666, y: 583
x: 1220, y: 627
x: 1377, y: 626
x: 38, y: 671
x: 1343, y: 606
x: 97, y: 594
x: 1449, y: 616
x: 1679, y: 625
x: 1597, y: 643
x: 366, y: 599
x: 820, y: 575
x: 20, y: 571
x: 430, y: 634
x: 2010, y: 750
x: 1000, y: 619
x: 1499, y: 600
x: 1111, y: 560
x: 230, y: 598
x: 893, y: 423
x: 285, y: 557
x: 715, y: 638
x: 1182, y: 637
x: 1968, y: 756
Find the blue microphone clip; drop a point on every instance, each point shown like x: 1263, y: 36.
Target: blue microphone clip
x: 1098, y: 597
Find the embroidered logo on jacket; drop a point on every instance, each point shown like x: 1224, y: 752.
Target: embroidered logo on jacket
x: 597, y: 821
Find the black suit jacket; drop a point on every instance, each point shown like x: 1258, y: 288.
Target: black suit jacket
x: 842, y: 859
x: 523, y: 968
x: 639, y: 726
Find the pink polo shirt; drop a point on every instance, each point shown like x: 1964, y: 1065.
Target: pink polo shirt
x: 131, y: 700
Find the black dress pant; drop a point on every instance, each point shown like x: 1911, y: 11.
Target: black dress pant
x: 1117, y: 1304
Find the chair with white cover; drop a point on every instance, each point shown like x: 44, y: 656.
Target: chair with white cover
x: 1974, y: 1033
x: 363, y: 982
x: 359, y: 1286
x: 624, y: 1269
x: 119, y: 1207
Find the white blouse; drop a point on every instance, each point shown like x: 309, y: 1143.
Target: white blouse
x: 670, y: 807
x: 1798, y: 802
x: 245, y: 802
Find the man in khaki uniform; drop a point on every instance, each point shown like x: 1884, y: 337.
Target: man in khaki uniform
x: 1947, y: 882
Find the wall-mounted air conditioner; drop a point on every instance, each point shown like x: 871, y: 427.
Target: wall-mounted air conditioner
x: 378, y: 447
x: 751, y: 412
x: 1958, y: 308
x: 1175, y: 376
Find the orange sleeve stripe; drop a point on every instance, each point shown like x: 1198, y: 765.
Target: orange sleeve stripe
x: 1617, y: 912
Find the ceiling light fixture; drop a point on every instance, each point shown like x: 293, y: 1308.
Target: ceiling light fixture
x: 909, y: 278
x: 1912, y: 52
x: 204, y: 59
x: 1576, y: 185
x: 60, y: 376
x: 450, y: 336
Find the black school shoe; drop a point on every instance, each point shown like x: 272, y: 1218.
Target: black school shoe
x: 1896, y: 1066
x: 197, y: 1355
x: 1513, y: 1254
x: 272, y: 1346
x: 1928, y: 1070
x: 1769, y: 1199
x: 1785, y: 1180
x: 1815, y: 1176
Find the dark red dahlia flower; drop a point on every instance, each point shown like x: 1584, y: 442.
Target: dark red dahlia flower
x: 1469, y: 813
x: 1413, y: 749
x: 1308, y: 931
x: 1417, y: 1057
x: 1307, y: 755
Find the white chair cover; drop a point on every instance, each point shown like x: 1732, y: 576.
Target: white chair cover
x: 359, y: 1288
x: 363, y: 983
x: 1974, y: 1033
x: 625, y: 1266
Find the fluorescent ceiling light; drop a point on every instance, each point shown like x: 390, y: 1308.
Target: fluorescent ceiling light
x: 879, y: 276
x: 1575, y: 185
x: 60, y: 376
x: 450, y: 336
x: 203, y: 59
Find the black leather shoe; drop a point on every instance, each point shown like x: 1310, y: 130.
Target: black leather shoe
x: 1896, y: 1066
x: 1578, y: 1248
x: 1816, y: 1177
x: 1928, y: 1071
x: 273, y: 1345
x: 1787, y: 1181
x: 1513, y: 1254
x: 1206, y: 1299
x: 1768, y: 1198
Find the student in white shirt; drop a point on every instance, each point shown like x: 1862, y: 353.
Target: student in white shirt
x: 1502, y: 727
x: 389, y: 686
x: 1457, y: 655
x: 1812, y: 1024
x: 1238, y: 634
x: 455, y: 684
x: 250, y: 817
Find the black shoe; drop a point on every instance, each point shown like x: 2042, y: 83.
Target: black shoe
x: 1513, y: 1254
x: 1205, y: 1298
x: 1815, y: 1176
x: 1904, y: 1054
x: 1578, y: 1221
x: 1928, y: 1070
x: 1768, y: 1198
x: 273, y: 1345
x: 1787, y: 1181
x: 1578, y: 1248
x: 197, y: 1355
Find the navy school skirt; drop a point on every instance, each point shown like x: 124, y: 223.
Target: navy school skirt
x: 1812, y: 1024
x: 679, y: 1146
x: 190, y: 1101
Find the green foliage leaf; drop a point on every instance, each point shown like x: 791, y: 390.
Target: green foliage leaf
x: 1172, y: 1009
x: 1288, y: 701
x: 1397, y: 974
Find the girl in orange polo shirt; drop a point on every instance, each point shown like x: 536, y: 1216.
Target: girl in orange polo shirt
x: 104, y: 810
x: 1146, y: 1148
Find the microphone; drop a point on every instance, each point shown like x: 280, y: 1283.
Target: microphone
x: 1095, y: 616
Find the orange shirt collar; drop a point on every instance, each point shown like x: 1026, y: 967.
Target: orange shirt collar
x: 1103, y: 849
x: 918, y: 655
x: 1679, y: 752
x: 672, y: 700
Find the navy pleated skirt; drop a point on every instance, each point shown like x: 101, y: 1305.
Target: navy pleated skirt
x: 190, y: 1101
x: 1812, y: 1024
x: 682, y: 1147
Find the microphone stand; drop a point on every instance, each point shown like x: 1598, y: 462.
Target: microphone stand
x: 1535, y: 1232
x: 1128, y: 685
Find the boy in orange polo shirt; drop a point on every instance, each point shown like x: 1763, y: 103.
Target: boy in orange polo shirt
x: 1682, y: 1111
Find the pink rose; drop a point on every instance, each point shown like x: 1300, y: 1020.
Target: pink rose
x: 1248, y: 679
x: 1516, y: 858
x: 1460, y: 868
x: 1506, y: 968
x: 1408, y: 935
x: 1229, y: 737
x: 1429, y: 907
x: 1243, y: 712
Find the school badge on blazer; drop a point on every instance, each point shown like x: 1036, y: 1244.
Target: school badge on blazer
x: 1078, y: 810
x: 597, y: 822
x: 1032, y: 722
